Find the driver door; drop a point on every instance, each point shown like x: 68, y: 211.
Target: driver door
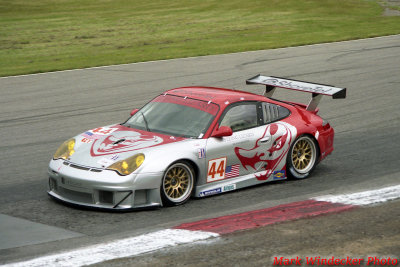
x: 244, y: 119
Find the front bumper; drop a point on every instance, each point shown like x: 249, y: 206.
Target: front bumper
x: 103, y: 189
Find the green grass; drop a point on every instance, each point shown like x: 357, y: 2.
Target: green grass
x: 47, y: 35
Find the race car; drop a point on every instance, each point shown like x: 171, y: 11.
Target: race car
x: 194, y: 141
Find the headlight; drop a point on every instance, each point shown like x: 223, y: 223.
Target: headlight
x: 65, y: 150
x: 127, y: 166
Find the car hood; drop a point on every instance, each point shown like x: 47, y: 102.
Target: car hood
x: 103, y: 146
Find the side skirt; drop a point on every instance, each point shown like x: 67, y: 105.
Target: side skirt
x: 231, y: 184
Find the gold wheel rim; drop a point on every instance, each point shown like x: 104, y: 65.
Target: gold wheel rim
x: 176, y: 182
x: 302, y: 155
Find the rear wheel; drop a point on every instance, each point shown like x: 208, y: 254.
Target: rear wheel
x: 302, y: 157
x: 177, y: 184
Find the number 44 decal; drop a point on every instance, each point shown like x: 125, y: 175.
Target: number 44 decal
x: 103, y: 130
x: 216, y: 169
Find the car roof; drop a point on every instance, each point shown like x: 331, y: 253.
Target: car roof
x: 219, y: 96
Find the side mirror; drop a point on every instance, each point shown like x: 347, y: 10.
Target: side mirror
x: 222, y: 131
x: 134, y: 111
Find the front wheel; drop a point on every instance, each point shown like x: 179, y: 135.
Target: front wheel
x: 302, y: 157
x: 177, y: 184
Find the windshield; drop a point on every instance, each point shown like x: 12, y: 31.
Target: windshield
x: 175, y: 115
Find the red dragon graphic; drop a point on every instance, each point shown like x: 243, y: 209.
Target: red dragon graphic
x: 276, y: 151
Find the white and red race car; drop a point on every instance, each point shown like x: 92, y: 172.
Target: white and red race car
x: 194, y: 141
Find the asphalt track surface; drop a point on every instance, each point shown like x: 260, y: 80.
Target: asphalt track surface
x: 39, y: 112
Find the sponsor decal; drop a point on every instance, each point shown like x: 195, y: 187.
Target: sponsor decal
x: 237, y: 137
x: 123, y: 141
x: 108, y: 161
x: 202, y: 153
x: 86, y: 140
x: 211, y: 192
x: 232, y: 171
x: 216, y: 169
x: 229, y: 187
x: 297, y: 85
x: 279, y: 175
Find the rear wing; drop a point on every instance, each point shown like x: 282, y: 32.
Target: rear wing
x: 317, y: 90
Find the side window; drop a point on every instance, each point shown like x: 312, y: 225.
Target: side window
x: 241, y: 117
x: 273, y: 112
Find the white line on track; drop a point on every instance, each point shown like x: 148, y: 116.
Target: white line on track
x: 364, y: 198
x: 119, y: 249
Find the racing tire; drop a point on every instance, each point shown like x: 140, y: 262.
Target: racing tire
x: 302, y: 157
x: 177, y: 184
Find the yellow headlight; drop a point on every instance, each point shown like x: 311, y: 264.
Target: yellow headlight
x: 129, y: 165
x: 65, y: 150
x: 125, y: 165
x: 139, y: 159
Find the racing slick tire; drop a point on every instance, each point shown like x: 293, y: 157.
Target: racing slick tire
x: 302, y: 157
x: 177, y: 184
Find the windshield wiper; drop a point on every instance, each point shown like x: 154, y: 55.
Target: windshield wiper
x: 145, y: 122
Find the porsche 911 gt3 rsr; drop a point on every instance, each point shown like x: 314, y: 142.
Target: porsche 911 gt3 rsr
x: 194, y: 141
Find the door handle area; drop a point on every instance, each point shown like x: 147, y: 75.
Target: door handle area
x: 265, y: 139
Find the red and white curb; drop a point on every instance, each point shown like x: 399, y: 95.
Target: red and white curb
x: 212, y: 228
